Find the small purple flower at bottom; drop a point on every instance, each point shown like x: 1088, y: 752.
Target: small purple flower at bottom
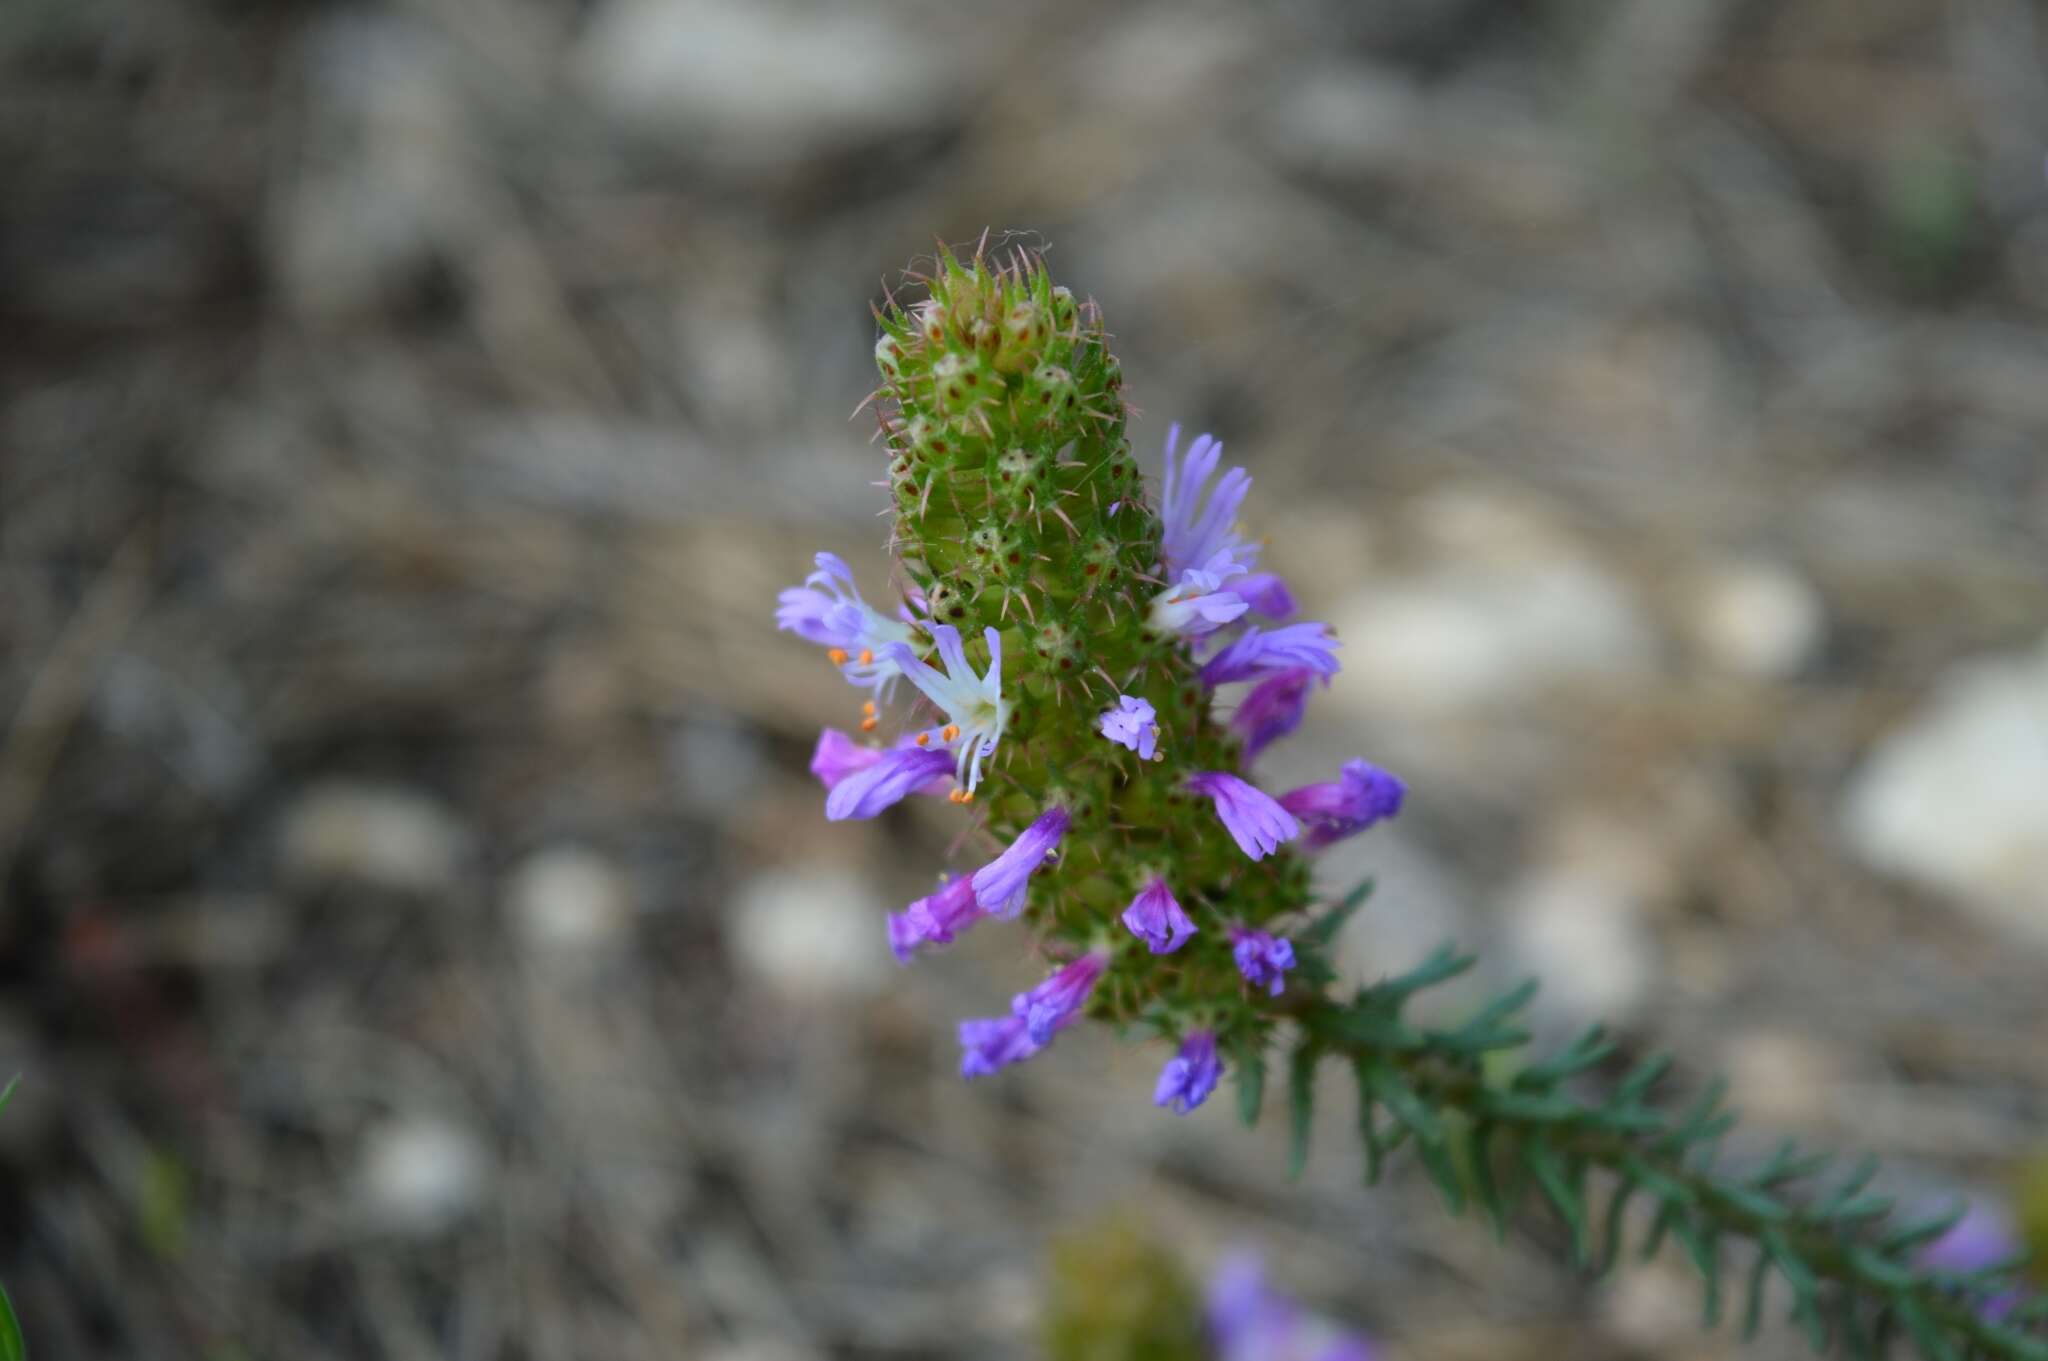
x: 1134, y: 724
x: 934, y: 920
x: 987, y: 1044
x: 1983, y: 1237
x: 1056, y: 1003
x: 1272, y: 710
x: 1190, y: 1075
x: 1262, y: 958
x: 999, y: 885
x: 1259, y: 651
x: 1361, y: 795
x: 1266, y: 593
x: 892, y: 776
x: 1250, y: 1321
x: 1254, y: 820
x: 1156, y: 918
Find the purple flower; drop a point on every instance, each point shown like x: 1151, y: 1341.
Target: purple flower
x: 1195, y: 606
x: 1262, y: 958
x: 1983, y: 1237
x: 1250, y: 1321
x: 827, y: 610
x: 1272, y: 710
x: 1056, y: 1003
x: 976, y: 712
x: 1134, y: 724
x: 886, y: 780
x: 1260, y: 651
x: 992, y: 1043
x: 934, y: 920
x: 1267, y: 594
x: 1254, y: 820
x: 1157, y: 919
x: 1197, y: 534
x: 1189, y: 1076
x: 1361, y: 795
x: 999, y: 885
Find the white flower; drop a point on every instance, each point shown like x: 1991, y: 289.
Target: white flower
x: 975, y: 709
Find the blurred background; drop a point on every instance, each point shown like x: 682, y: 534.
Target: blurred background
x: 421, y: 937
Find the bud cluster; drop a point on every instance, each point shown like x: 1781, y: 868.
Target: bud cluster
x: 1065, y: 635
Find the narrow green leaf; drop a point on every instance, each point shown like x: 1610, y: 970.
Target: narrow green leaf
x: 1551, y: 1177
x: 1301, y: 1099
x: 12, y: 1345
x: 1858, y: 1178
x: 1926, y: 1336
x: 1444, y: 963
x: 1614, y: 1228
x: 1753, y: 1306
x: 1324, y: 929
x: 1643, y: 1077
x: 1398, y: 1097
x: 1701, y: 1248
x: 1913, y: 1234
x: 1251, y: 1081
x: 1484, y: 1185
x: 1368, y: 1129
x: 1656, y: 1183
x: 7, y: 1092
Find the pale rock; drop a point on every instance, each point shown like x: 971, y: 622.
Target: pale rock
x: 1653, y: 1308
x: 421, y: 1173
x: 378, y: 834
x: 382, y: 184
x: 811, y: 932
x: 1507, y: 606
x: 568, y: 903
x: 1956, y: 800
x: 1585, y: 938
x: 761, y: 84
x: 1755, y: 618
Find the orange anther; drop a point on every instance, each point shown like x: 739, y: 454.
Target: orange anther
x: 869, y: 724
x: 837, y: 656
x: 950, y: 732
x: 953, y: 795
x: 867, y: 706
x: 924, y: 739
x: 967, y: 796
x: 867, y: 655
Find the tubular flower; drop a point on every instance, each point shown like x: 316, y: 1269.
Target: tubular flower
x: 1267, y: 594
x: 1056, y: 1003
x: 1254, y: 820
x: 838, y: 756
x: 934, y: 920
x: 999, y: 885
x: 1193, y: 607
x: 828, y: 610
x: 888, y: 779
x: 1197, y: 534
x: 1272, y: 710
x: 1361, y: 795
x: 1133, y: 723
x: 974, y: 706
x: 987, y: 1044
x: 1250, y: 1321
x: 1262, y: 958
x: 1156, y: 918
x: 1190, y: 1075
x: 1259, y: 651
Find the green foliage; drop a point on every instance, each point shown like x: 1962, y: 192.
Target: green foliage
x: 1116, y: 1295
x: 1842, y: 1255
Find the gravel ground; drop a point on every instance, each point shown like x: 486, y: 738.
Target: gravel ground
x: 421, y: 937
